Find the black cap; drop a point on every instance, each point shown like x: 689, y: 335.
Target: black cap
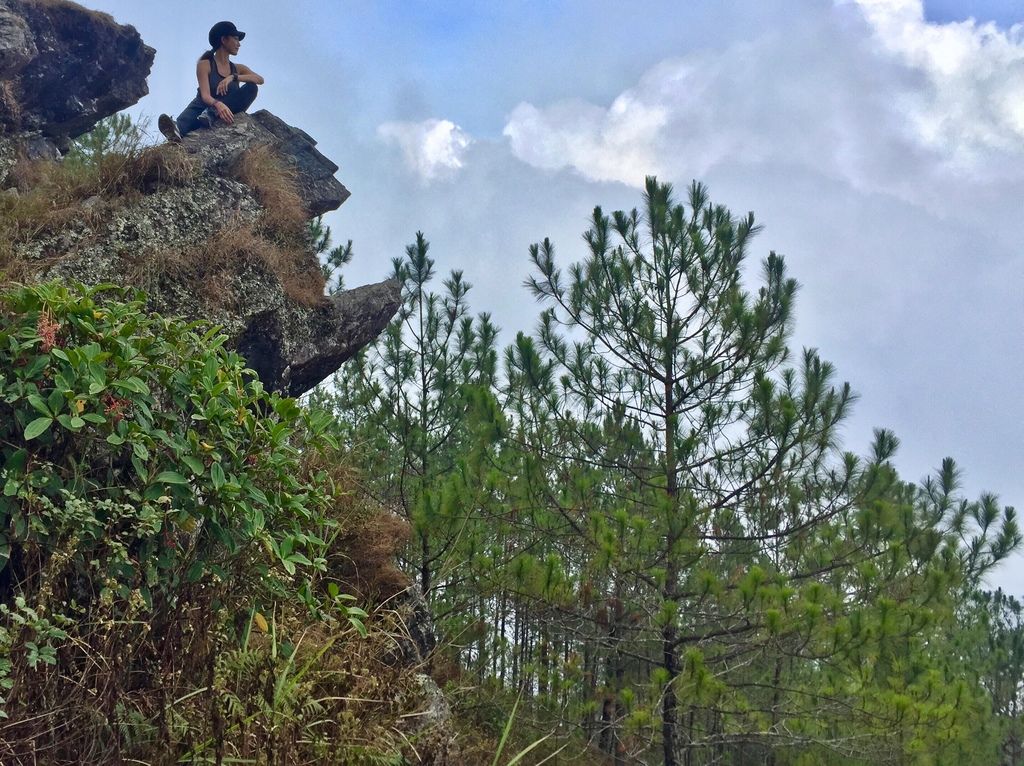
x: 223, y: 29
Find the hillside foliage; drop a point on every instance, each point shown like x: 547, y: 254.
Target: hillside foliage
x: 637, y: 529
x: 173, y: 542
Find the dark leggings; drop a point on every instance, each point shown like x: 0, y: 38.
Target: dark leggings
x: 236, y: 99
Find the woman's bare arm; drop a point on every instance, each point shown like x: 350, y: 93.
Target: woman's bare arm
x: 247, y: 75
x: 203, y: 75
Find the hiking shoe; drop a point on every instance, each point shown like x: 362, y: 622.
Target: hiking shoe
x: 169, y: 128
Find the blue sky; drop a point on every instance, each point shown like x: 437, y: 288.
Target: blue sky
x: 1006, y: 13
x: 880, y: 142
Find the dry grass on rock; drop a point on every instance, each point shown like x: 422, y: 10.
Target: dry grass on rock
x: 99, y: 16
x: 44, y: 197
x: 274, y: 183
x: 142, y: 170
x: 216, y: 268
x: 279, y: 240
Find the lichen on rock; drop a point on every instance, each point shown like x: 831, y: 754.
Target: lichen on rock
x: 220, y: 149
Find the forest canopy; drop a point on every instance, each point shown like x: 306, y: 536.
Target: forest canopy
x: 643, y: 520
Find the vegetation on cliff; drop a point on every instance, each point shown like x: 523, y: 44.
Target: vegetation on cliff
x: 172, y: 549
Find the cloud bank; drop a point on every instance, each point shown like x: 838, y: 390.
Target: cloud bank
x: 865, y: 91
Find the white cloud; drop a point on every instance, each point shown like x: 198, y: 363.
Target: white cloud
x: 866, y: 91
x: 433, y: 149
x: 973, y: 102
x: 618, y: 143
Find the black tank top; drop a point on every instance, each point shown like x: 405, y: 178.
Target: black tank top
x: 215, y: 77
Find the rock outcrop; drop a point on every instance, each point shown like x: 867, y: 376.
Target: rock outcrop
x: 220, y: 150
x: 188, y: 224
x: 292, y: 347
x: 64, y: 67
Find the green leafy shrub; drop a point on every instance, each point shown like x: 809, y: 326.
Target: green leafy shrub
x: 121, y: 426
x: 155, y: 502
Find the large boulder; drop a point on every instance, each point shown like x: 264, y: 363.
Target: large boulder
x: 64, y: 67
x: 195, y: 238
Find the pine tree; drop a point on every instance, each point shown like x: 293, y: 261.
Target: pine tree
x: 334, y: 257
x: 404, y: 400
x: 117, y: 134
x: 673, y: 339
x: 731, y: 526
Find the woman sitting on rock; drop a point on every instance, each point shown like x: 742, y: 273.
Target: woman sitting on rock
x: 225, y: 88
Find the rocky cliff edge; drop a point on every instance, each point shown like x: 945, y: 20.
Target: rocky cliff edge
x: 213, y: 229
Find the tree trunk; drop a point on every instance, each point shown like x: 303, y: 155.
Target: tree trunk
x: 589, y: 684
x: 669, y: 702
x: 500, y: 635
x: 776, y: 701
x: 620, y: 711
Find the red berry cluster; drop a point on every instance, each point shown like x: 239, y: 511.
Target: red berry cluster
x: 116, y: 408
x: 47, y: 328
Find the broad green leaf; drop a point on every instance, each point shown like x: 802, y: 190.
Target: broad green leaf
x: 217, y: 475
x: 55, y: 401
x: 194, y: 464
x: 171, y: 477
x: 37, y: 427
x: 37, y: 402
x: 16, y: 462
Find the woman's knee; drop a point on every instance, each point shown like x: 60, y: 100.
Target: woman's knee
x: 247, y: 92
